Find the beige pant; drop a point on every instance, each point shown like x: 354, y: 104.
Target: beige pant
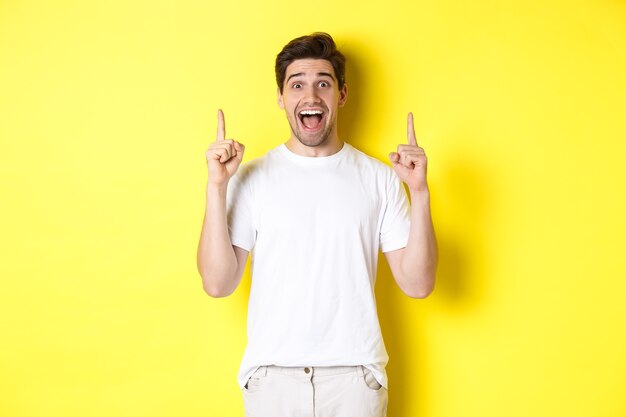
x: 334, y: 391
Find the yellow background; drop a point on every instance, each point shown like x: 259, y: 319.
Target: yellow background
x: 107, y: 108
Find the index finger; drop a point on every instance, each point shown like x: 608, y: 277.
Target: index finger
x: 221, y: 129
x: 411, y: 130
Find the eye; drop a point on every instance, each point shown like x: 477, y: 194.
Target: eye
x: 296, y: 85
x: 323, y: 84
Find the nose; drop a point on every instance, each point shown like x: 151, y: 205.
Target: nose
x: 310, y: 95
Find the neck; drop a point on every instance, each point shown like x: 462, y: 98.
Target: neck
x: 330, y: 147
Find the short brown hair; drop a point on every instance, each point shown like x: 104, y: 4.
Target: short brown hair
x: 318, y: 45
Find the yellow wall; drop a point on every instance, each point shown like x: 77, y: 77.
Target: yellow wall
x: 106, y: 109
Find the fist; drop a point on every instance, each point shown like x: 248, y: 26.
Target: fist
x: 409, y: 162
x: 224, y: 155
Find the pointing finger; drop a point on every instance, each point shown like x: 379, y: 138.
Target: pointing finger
x: 221, y: 128
x: 411, y: 130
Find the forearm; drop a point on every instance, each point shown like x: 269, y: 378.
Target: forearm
x: 216, y: 258
x: 419, y: 262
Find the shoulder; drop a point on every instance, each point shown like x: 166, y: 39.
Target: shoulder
x: 379, y: 176
x: 370, y: 163
x: 253, y: 169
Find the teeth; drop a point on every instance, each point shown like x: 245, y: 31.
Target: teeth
x: 310, y: 112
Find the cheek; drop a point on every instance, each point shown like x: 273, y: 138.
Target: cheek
x: 332, y: 98
x: 292, y: 105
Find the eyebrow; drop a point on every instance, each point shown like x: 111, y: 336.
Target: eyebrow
x: 318, y: 74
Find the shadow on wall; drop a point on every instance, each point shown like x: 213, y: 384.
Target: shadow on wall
x: 348, y: 127
x: 461, y: 199
x: 464, y: 219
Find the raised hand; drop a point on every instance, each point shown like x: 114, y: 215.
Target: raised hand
x: 410, y: 161
x: 224, y: 155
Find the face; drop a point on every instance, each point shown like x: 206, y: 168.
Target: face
x: 311, y: 99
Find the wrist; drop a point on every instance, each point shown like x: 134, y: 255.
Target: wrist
x: 420, y: 193
x: 219, y: 188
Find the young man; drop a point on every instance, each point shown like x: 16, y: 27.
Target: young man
x: 314, y: 211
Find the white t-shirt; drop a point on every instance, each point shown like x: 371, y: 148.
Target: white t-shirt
x: 314, y: 226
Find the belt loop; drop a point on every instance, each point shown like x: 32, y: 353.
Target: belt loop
x: 360, y: 371
x: 263, y: 370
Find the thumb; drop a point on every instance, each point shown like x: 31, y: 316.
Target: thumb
x: 401, y: 171
x: 240, y: 148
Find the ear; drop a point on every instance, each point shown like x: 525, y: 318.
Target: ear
x: 281, y: 104
x: 343, y: 95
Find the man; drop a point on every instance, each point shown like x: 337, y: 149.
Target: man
x: 314, y: 211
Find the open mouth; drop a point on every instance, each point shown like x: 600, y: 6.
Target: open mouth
x: 311, y: 119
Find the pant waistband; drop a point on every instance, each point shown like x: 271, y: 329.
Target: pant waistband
x: 308, y: 371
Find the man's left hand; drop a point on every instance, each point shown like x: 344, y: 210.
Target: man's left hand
x: 410, y: 161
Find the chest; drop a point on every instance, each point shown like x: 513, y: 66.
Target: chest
x: 337, y: 201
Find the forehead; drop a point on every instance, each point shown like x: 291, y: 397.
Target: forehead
x: 309, y: 66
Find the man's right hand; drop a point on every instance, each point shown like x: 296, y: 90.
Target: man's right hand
x: 223, y: 156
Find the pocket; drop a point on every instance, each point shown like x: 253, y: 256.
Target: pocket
x: 370, y: 381
x: 253, y: 384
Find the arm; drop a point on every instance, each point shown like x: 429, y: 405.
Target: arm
x: 414, y: 266
x: 220, y: 263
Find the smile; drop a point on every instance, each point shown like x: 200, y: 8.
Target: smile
x: 311, y: 119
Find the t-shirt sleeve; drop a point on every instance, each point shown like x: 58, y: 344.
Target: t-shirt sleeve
x: 394, y: 232
x: 239, y: 209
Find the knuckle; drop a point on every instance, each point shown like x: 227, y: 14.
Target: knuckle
x: 215, y: 145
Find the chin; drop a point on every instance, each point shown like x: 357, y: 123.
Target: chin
x: 314, y: 141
